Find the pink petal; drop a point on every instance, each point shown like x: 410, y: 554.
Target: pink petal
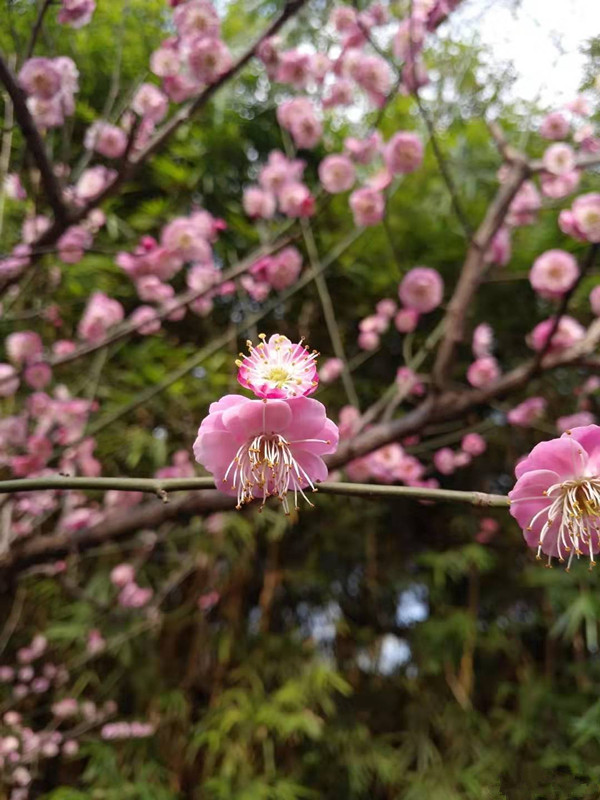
x: 258, y: 416
x: 564, y: 456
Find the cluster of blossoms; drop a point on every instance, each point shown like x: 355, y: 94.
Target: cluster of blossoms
x: 447, y: 461
x: 130, y: 594
x: 274, y: 445
x: 50, y: 85
x: 76, y: 13
x: 277, y: 272
x: 420, y: 291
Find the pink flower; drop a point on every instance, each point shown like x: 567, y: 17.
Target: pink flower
x: 331, y: 370
x: 595, y: 300
x: 134, y: 596
x: 386, y: 308
x: 408, y: 382
x: 258, y: 203
x: 483, y: 340
x: 553, y: 273
x: 283, y: 269
x: 499, y: 251
x: 556, y: 499
x: 149, y: 102
x: 444, y: 461
x: 9, y: 380
x: 165, y: 61
x: 23, y: 346
x: 14, y: 188
x: 367, y: 206
x: 483, y: 371
x: 106, y: 139
x: 406, y: 320
x: 277, y: 368
x: 580, y: 105
x: 279, y: 171
x: 385, y: 463
x: 294, y: 67
x: 144, y: 320
x: 373, y: 74
x: 557, y: 186
x: 340, y: 93
x: 207, y: 58
x: 40, y: 78
x: 525, y: 205
x: 375, y: 322
x: 268, y: 53
x: 421, y: 289
x: 559, y: 159
x: 586, y: 216
x: 93, y: 181
x: 197, y: 18
x: 121, y: 575
x: 363, y: 151
x: 368, y: 340
x: 37, y: 375
x: 76, y: 13
x: 568, y: 333
x: 100, y: 314
x: 73, y: 244
x: 295, y: 200
x: 574, y: 421
x: 184, y: 239
x: 473, y: 444
x: 554, y: 126
x: 404, y: 153
x: 257, y: 448
x: 337, y: 174
x: 299, y: 117
x: 95, y: 644
x: 527, y: 412
x: 488, y: 528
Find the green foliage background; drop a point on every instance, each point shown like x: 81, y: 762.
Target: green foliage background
x: 364, y: 649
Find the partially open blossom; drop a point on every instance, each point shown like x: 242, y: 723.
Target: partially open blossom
x: 263, y: 448
x: 337, y: 173
x: 76, y: 13
x: 568, y: 333
x: 421, y: 289
x: 483, y: 371
x: 556, y: 499
x: 122, y: 574
x: 553, y: 273
x: 386, y: 308
x: 554, y: 126
x: 527, y: 412
x: 403, y: 153
x: 367, y: 206
x: 331, y: 370
x: 278, y: 368
x: 559, y: 159
x: 444, y: 460
x: 368, y: 340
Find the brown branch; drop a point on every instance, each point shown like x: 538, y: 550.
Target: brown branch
x: 35, y: 145
x: 37, y: 27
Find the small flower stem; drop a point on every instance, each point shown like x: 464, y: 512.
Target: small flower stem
x: 161, y: 488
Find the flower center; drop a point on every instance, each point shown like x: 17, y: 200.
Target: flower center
x: 266, y: 463
x: 279, y: 376
x: 575, y: 505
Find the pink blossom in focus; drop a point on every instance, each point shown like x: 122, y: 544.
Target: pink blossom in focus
x: 403, y: 153
x: 554, y: 126
x: 337, y: 174
x: 483, y: 372
x: 278, y: 368
x: 260, y: 449
x: 421, y: 289
x: 331, y: 370
x: 367, y: 206
x: 473, y: 444
x: 568, y: 333
x: 76, y: 13
x: 556, y: 499
x: 553, y: 273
